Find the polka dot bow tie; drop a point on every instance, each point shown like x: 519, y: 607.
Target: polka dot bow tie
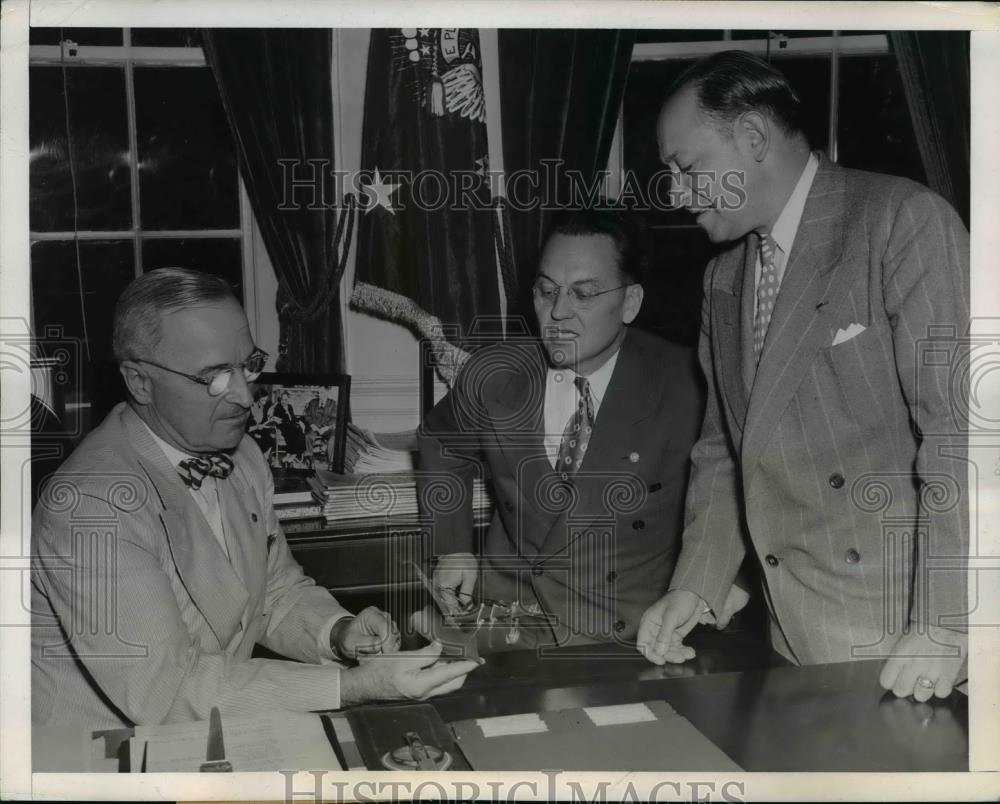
x: 194, y: 470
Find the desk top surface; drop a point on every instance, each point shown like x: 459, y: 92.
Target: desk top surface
x: 764, y: 713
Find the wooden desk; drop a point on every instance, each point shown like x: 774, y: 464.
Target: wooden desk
x: 767, y: 715
x: 764, y: 713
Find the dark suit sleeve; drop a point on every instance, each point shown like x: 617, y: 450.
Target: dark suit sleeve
x: 926, y: 286
x: 712, y: 547
x: 450, y: 458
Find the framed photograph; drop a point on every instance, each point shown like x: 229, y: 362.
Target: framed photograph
x: 299, y: 421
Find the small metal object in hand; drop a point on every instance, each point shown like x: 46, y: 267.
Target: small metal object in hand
x: 925, y: 682
x: 215, y: 753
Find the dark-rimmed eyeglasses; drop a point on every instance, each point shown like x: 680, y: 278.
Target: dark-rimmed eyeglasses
x: 218, y: 379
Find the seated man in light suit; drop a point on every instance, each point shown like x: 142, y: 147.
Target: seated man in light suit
x: 586, y: 433
x: 158, y: 559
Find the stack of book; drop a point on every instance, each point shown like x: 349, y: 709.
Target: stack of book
x: 379, y: 483
x: 366, y: 452
x: 377, y: 496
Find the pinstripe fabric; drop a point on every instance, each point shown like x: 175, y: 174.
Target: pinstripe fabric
x: 603, y: 542
x: 820, y: 463
x: 137, y: 615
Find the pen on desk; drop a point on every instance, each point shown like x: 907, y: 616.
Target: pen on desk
x: 215, y: 753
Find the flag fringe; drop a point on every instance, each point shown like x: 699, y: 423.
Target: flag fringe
x: 448, y: 358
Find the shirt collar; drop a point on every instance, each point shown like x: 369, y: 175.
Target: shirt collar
x: 598, y: 379
x: 785, y: 228
x: 174, y: 455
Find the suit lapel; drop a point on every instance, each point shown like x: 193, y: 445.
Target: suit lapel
x: 247, y: 552
x: 517, y: 417
x: 729, y: 314
x: 630, y: 398
x: 205, y: 571
x: 815, y: 283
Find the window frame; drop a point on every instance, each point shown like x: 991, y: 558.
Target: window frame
x: 128, y: 57
x: 834, y: 46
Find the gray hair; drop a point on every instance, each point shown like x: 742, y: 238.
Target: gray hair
x: 139, y: 309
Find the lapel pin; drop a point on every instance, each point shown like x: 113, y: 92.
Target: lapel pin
x: 633, y: 457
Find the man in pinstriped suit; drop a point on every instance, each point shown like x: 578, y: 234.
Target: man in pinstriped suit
x: 158, y: 561
x: 830, y: 450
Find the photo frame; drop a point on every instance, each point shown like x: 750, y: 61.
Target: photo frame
x: 299, y: 421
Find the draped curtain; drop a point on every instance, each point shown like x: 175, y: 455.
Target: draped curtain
x: 560, y: 93
x: 934, y: 66
x: 275, y: 87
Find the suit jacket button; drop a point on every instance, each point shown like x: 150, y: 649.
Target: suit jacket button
x: 852, y: 556
x: 509, y: 505
x: 536, y: 571
x: 772, y: 561
x: 639, y: 524
x: 253, y: 517
x: 837, y: 480
x: 612, y: 576
x: 619, y: 626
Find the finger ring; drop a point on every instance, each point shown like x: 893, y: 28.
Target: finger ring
x: 925, y: 682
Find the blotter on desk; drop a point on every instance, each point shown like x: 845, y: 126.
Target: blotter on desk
x: 648, y: 736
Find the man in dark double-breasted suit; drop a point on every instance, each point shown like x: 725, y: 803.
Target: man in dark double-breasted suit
x: 585, y: 433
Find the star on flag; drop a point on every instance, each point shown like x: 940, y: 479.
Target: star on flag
x: 379, y: 193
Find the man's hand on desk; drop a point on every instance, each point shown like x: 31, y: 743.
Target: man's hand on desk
x: 370, y: 632
x: 924, y: 663
x: 665, y: 624
x: 411, y: 675
x: 455, y: 577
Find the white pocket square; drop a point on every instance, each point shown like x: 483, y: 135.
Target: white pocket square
x: 846, y: 334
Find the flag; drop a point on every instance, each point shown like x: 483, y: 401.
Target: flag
x: 425, y: 231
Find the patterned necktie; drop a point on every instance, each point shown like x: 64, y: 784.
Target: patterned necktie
x: 767, y: 294
x: 577, y: 434
x: 194, y: 470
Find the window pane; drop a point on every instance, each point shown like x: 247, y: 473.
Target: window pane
x: 216, y: 255
x: 875, y: 131
x: 810, y: 78
x: 166, y: 37
x: 187, y: 165
x: 106, y: 267
x: 647, y: 83
x: 82, y: 36
x: 98, y: 127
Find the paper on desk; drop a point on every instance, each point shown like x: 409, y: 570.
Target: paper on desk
x: 620, y: 713
x: 512, y: 724
x: 268, y: 741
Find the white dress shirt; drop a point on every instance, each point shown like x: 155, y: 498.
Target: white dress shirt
x: 562, y: 400
x: 206, y: 497
x: 787, y: 224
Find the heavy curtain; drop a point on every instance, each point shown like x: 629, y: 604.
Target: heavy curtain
x: 934, y: 66
x: 275, y: 87
x: 560, y: 92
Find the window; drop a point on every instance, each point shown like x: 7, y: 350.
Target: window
x: 132, y: 167
x: 854, y: 109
